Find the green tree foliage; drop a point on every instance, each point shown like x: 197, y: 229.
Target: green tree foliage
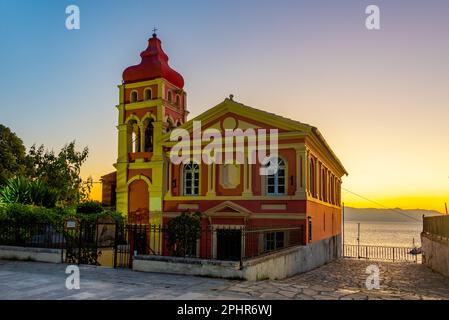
x: 12, y: 155
x: 183, y: 233
x: 61, y: 172
x: 41, y: 177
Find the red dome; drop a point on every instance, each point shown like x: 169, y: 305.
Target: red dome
x: 154, y: 65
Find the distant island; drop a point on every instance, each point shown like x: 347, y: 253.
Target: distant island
x: 387, y: 215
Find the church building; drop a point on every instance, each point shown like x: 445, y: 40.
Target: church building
x: 150, y: 189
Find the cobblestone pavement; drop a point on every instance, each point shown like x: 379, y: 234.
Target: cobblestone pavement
x: 343, y: 279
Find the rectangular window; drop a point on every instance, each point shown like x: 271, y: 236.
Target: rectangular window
x: 274, y: 241
x: 309, y: 227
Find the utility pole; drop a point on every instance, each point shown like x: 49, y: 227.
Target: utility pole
x: 445, y: 205
x: 358, y: 240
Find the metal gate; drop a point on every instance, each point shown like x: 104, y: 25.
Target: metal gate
x: 90, y: 242
x: 131, y: 240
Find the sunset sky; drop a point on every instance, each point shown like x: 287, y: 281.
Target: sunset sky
x: 380, y: 98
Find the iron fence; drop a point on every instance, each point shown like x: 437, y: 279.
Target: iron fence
x: 42, y: 235
x: 381, y: 253
x: 84, y: 242
x: 227, y: 243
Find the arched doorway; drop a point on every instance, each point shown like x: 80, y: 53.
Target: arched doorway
x: 138, y: 202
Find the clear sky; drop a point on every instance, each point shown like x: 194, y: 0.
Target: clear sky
x: 380, y: 98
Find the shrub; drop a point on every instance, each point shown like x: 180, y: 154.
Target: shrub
x: 42, y: 195
x: 16, y: 190
x: 183, y: 233
x: 22, y: 191
x: 89, y: 207
x: 29, y: 214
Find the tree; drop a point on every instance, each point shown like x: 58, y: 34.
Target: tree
x: 12, y: 155
x: 183, y: 232
x: 61, y: 172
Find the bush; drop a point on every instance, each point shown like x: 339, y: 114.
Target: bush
x: 42, y: 195
x: 89, y: 207
x: 183, y: 233
x: 16, y: 190
x: 22, y: 191
x: 28, y: 214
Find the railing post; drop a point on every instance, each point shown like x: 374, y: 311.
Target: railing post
x: 242, y: 245
x: 79, y: 241
x: 115, y: 243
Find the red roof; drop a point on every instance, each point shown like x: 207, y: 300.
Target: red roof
x: 154, y: 65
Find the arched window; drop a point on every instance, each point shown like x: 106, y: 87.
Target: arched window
x: 135, y: 139
x: 191, y: 177
x: 169, y: 96
x: 178, y: 100
x: 133, y: 96
x: 149, y: 136
x: 275, y: 183
x: 148, y: 94
x: 170, y: 125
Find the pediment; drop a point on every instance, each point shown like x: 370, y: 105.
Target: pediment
x: 228, y: 208
x: 231, y: 115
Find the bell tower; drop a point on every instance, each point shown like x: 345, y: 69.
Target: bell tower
x: 152, y: 101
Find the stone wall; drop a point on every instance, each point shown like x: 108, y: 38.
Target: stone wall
x: 33, y: 254
x: 292, y: 261
x: 279, y: 265
x: 435, y: 253
x: 187, y: 266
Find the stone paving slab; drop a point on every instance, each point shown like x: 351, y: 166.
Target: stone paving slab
x: 343, y: 279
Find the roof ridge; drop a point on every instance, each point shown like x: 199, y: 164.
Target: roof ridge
x: 271, y: 113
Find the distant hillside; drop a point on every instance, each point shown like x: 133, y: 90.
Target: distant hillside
x: 387, y: 215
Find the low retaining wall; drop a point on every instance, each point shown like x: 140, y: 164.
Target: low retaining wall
x: 187, y: 266
x: 34, y: 254
x: 435, y: 253
x: 278, y: 265
x: 292, y: 261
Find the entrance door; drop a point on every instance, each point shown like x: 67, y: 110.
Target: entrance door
x: 229, y: 244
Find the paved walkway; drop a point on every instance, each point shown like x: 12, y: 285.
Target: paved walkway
x: 343, y: 279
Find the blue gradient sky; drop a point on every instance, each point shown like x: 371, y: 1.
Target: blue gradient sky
x: 379, y: 97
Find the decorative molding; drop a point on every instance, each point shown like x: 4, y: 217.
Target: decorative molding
x: 229, y: 176
x: 187, y: 206
x: 273, y: 206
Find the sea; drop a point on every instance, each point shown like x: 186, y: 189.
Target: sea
x: 391, y: 234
